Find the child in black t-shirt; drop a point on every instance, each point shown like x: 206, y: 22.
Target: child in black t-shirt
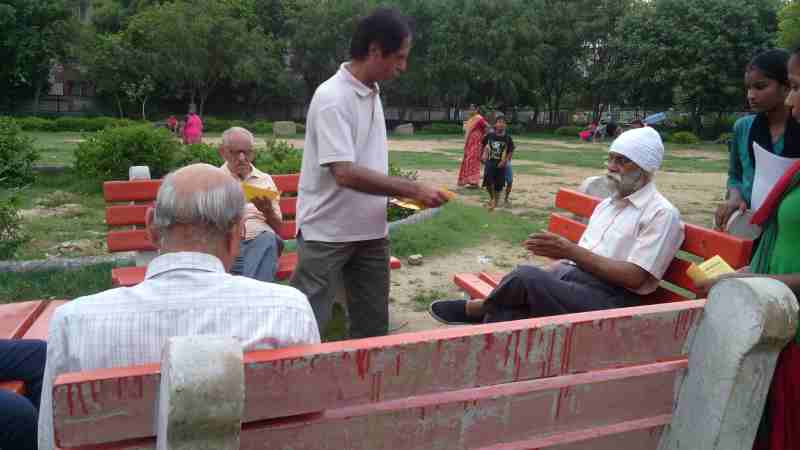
x: 497, y: 149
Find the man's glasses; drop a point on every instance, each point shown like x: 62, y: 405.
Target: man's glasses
x: 618, y: 160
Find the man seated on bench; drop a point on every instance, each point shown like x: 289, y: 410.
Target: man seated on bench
x: 261, y: 246
x: 628, y: 244
x: 186, y: 291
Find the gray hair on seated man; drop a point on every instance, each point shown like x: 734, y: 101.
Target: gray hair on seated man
x: 198, y: 208
x: 230, y: 132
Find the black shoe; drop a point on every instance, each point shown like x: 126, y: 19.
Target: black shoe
x: 452, y: 312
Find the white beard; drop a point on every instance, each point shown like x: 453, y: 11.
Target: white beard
x: 623, y: 185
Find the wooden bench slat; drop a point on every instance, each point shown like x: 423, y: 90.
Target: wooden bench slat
x: 576, y: 202
x: 40, y: 327
x: 16, y: 318
x: 472, y: 285
x: 288, y: 206
x: 130, y: 191
x: 129, y: 240
x: 288, y: 230
x: 301, y: 380
x: 564, y: 226
x: 121, y: 215
x: 287, y: 183
x: 15, y: 386
x: 709, y: 243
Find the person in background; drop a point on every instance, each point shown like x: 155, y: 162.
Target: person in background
x: 261, y: 246
x: 24, y: 360
x: 474, y: 130
x: 497, y: 149
x: 771, y: 127
x: 193, y: 127
x: 172, y: 124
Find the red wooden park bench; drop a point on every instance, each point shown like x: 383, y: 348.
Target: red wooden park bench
x: 133, y: 237
x: 700, y: 242
x: 614, y: 379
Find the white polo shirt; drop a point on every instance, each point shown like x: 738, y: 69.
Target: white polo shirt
x: 643, y: 228
x: 344, y: 124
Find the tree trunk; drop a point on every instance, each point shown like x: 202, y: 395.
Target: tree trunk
x: 119, y: 106
x: 144, y: 102
x: 37, y: 93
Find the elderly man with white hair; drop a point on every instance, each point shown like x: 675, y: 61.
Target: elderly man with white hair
x: 186, y: 291
x: 628, y: 244
x: 260, y: 246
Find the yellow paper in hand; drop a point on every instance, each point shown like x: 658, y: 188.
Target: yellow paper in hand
x: 708, y: 269
x: 416, y: 205
x: 251, y: 192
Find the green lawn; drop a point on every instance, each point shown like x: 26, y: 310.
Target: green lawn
x: 55, y: 148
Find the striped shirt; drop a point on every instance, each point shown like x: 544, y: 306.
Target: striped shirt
x: 183, y: 293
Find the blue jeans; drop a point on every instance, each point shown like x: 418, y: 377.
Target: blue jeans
x: 258, y: 257
x: 21, y: 360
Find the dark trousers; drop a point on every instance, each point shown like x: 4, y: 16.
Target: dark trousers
x: 529, y: 291
x: 21, y: 360
x: 363, y: 268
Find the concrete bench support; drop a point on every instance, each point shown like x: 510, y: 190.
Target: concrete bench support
x: 731, y: 360
x: 201, y: 398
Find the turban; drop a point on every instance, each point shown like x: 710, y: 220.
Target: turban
x: 642, y: 146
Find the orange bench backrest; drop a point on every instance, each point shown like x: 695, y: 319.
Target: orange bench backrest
x: 699, y: 241
x: 144, y: 192
x: 529, y: 384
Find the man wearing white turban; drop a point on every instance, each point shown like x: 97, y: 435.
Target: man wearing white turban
x: 628, y: 244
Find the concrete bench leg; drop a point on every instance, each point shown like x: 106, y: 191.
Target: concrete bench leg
x: 201, y: 399
x: 732, y: 357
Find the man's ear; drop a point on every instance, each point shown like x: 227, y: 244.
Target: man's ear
x: 233, y: 239
x: 221, y: 152
x: 152, y: 233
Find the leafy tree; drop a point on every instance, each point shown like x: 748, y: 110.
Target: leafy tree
x: 33, y: 35
x: 789, y: 25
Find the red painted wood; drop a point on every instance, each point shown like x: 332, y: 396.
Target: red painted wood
x: 120, y: 215
x: 288, y: 206
x: 17, y: 387
x: 472, y: 285
x: 286, y: 264
x: 288, y: 230
x: 16, y: 318
x: 676, y: 274
x: 129, y: 240
x: 287, y: 184
x: 640, y: 434
x: 662, y: 295
x: 564, y: 226
x: 305, y: 379
x: 576, y: 202
x: 492, y: 279
x: 127, y: 276
x: 41, y: 326
x: 394, y: 263
x: 131, y: 191
x: 708, y: 243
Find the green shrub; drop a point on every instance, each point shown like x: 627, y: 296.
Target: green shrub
x: 684, y: 137
x: 261, y: 127
x: 568, y: 131
x: 12, y: 236
x: 197, y: 153
x: 37, y: 124
x: 395, y: 212
x: 17, y: 155
x: 724, y: 138
x: 107, y: 154
x: 279, y: 158
x: 214, y: 125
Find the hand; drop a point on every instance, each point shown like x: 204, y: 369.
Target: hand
x: 550, y: 245
x: 724, y: 210
x: 264, y: 205
x: 431, y: 197
x: 501, y: 164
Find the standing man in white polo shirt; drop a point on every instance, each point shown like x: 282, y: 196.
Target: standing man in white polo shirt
x: 341, y: 217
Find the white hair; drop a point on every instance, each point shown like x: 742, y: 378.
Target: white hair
x: 230, y: 132
x: 213, y: 211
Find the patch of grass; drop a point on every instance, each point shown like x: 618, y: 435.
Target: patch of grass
x: 595, y: 158
x: 460, y: 226
x: 422, y: 160
x: 336, y: 329
x: 53, y: 148
x: 423, y: 299
x: 57, y: 284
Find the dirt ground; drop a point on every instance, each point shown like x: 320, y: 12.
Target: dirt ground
x: 695, y: 195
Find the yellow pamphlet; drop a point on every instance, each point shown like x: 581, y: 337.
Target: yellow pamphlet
x: 708, y: 269
x: 416, y: 205
x: 251, y: 192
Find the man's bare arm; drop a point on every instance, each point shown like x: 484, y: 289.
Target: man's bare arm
x: 370, y: 181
